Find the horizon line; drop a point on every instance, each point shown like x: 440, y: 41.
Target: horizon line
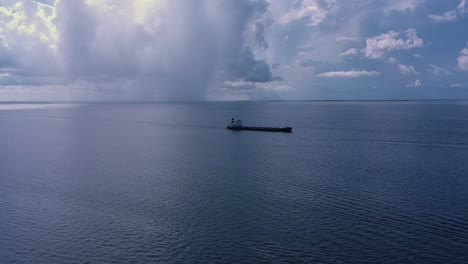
x: 223, y: 101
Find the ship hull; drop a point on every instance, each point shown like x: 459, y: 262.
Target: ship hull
x: 267, y: 129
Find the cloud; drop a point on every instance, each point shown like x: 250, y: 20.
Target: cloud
x: 170, y: 50
x: 304, y: 62
x: 463, y: 59
x: 402, y: 5
x: 451, y: 15
x: 313, y: 10
x: 349, y: 52
x: 346, y: 39
x: 260, y: 34
x: 4, y: 74
x: 348, y: 74
x: 462, y: 8
x: 377, y: 46
x: 179, y: 50
x: 271, y: 86
x: 247, y: 90
x: 26, y: 28
x: 439, y: 71
x: 416, y: 83
x: 445, y: 17
x: 456, y: 85
x: 246, y: 85
x: 247, y: 68
x: 407, y: 70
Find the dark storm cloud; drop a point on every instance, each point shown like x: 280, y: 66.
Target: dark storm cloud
x: 250, y: 69
x: 77, y: 27
x: 260, y: 35
x: 179, y: 59
x: 6, y: 61
x: 241, y: 62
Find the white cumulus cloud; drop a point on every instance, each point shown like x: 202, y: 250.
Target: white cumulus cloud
x: 451, y: 15
x: 245, y: 90
x: 348, y: 74
x: 463, y: 59
x: 377, y: 46
x: 314, y: 10
x: 392, y: 60
x: 407, y: 69
x: 416, y: 83
x: 445, y: 17
x: 349, y: 52
x: 402, y: 5
x: 438, y: 71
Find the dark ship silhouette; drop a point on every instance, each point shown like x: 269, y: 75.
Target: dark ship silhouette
x: 237, y: 125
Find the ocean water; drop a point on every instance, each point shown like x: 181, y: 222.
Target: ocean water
x: 356, y: 182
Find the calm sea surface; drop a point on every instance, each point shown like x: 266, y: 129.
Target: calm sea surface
x: 356, y: 182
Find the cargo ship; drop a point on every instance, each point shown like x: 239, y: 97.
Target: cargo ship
x: 237, y: 125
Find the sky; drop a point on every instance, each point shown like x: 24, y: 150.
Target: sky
x: 197, y: 50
